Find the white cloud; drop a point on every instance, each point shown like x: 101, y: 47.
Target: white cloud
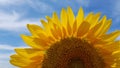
x: 35, y: 4
x: 10, y: 47
x: 4, y: 60
x: 10, y: 2
x: 11, y: 21
x: 116, y: 10
x: 83, y: 2
x: 6, y: 64
x: 40, y: 6
x: 71, y: 2
x: 4, y: 57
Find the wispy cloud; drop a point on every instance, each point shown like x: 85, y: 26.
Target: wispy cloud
x: 4, y: 60
x: 116, y: 10
x: 4, y: 57
x: 12, y: 21
x: 10, y: 47
x: 83, y: 2
x: 6, y: 64
x: 9, y: 2
x: 35, y: 5
x: 40, y: 6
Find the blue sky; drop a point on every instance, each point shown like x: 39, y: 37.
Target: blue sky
x: 15, y: 14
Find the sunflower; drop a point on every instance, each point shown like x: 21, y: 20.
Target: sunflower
x: 70, y: 42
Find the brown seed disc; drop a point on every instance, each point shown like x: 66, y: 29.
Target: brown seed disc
x: 72, y: 53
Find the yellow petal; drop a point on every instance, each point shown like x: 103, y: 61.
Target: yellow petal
x: 118, y: 64
x: 69, y: 29
x: 29, y: 52
x: 91, y: 33
x: 102, y: 26
x: 63, y: 17
x: 50, y: 21
x: 64, y: 32
x: 44, y: 23
x: 71, y: 17
x: 97, y: 29
x: 112, y: 36
x: 94, y: 20
x: 80, y: 17
x: 46, y: 27
x: 29, y: 41
x: 89, y: 16
x: 83, y: 28
x: 42, y: 42
x: 106, y: 27
x: 74, y: 29
x: 57, y: 32
x: 19, y: 61
x: 32, y: 65
x: 35, y: 29
x: 116, y: 54
x: 55, y: 18
x: 113, y: 46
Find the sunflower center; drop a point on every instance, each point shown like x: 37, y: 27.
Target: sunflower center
x: 76, y: 63
x: 72, y: 53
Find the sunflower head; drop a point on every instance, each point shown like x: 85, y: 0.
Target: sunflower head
x: 70, y: 42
